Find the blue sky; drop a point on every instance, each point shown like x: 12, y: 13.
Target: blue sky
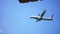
x: 14, y: 17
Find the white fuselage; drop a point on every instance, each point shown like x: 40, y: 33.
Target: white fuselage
x: 35, y: 17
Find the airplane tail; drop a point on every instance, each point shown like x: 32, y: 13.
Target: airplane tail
x: 51, y: 17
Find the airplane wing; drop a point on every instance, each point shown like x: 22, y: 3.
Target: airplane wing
x: 43, y: 13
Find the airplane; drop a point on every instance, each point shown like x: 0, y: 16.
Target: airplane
x: 40, y: 17
x: 26, y: 1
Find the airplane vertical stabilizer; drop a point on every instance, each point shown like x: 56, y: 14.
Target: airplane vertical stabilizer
x: 51, y: 17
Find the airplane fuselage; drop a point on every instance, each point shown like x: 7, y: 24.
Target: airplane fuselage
x: 40, y: 17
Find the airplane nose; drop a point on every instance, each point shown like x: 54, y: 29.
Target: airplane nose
x: 30, y: 17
